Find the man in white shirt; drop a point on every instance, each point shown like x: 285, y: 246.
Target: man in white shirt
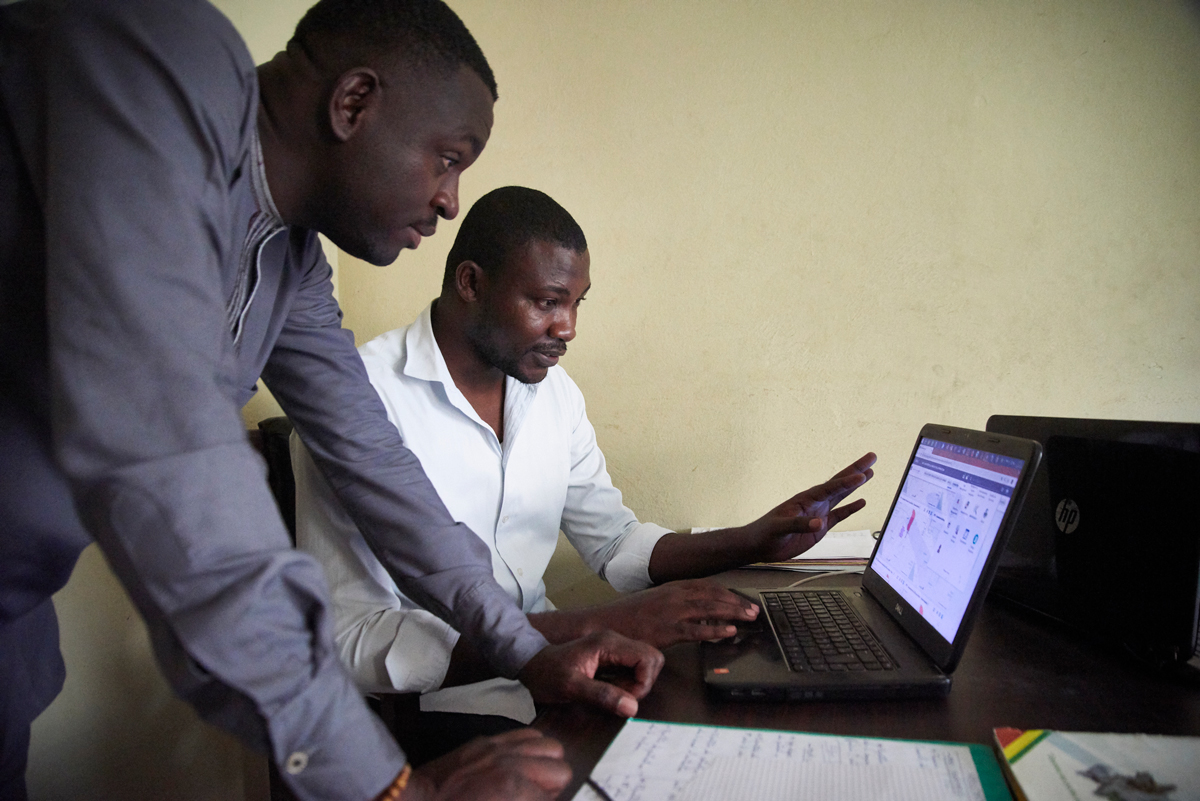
x: 474, y: 388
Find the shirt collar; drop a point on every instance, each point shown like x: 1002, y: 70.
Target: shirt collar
x: 260, y: 188
x: 423, y: 358
x: 423, y: 361
x: 264, y: 223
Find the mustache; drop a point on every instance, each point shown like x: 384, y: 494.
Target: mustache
x: 557, y: 348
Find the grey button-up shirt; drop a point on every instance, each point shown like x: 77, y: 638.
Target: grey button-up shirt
x: 126, y: 159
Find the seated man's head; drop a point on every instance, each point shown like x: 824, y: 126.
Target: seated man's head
x: 380, y: 105
x: 514, y: 280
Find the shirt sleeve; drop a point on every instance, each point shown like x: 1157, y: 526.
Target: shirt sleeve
x: 387, y: 646
x: 605, y: 532
x: 138, y: 115
x: 320, y: 381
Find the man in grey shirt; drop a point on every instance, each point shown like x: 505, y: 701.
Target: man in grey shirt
x: 157, y: 255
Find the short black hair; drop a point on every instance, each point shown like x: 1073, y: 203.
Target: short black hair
x: 425, y: 33
x: 505, y: 220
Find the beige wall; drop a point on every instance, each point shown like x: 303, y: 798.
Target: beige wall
x: 814, y: 226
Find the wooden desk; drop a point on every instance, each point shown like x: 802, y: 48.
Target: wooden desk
x: 1018, y: 670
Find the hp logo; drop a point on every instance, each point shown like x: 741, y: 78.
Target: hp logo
x: 1066, y: 516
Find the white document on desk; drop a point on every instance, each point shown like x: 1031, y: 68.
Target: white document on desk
x: 841, y: 545
x: 835, y: 546
x: 651, y: 761
x: 837, y: 550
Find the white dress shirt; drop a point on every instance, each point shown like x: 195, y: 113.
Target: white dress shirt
x: 547, y: 474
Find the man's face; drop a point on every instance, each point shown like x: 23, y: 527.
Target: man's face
x: 526, y: 312
x: 401, y: 171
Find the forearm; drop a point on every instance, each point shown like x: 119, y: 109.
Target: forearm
x: 789, y: 529
x: 562, y: 626
x: 683, y: 556
x: 467, y: 665
x: 259, y: 660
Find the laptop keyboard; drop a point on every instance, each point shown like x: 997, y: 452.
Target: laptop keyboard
x: 820, y: 632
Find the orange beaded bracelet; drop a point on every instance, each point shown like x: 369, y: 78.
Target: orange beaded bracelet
x: 393, y: 790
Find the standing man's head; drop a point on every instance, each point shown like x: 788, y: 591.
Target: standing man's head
x: 514, y: 280
x: 368, y: 119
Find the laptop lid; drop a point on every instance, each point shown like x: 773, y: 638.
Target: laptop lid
x: 961, y: 493
x: 1128, y: 544
x: 1028, y: 570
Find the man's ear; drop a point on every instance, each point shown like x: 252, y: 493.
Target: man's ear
x: 355, y: 95
x: 468, y: 280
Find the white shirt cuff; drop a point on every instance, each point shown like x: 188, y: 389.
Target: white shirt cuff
x: 629, y: 569
x: 419, y: 656
x: 503, y: 697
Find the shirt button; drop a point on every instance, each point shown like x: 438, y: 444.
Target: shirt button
x: 504, y: 519
x: 296, y: 762
x: 520, y: 572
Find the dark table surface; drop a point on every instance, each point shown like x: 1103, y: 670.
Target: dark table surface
x: 1018, y: 670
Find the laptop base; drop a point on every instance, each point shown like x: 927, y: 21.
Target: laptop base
x: 750, y: 666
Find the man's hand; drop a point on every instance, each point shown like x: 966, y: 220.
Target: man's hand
x: 800, y: 522
x: 521, y: 764
x: 560, y: 673
x: 787, y: 530
x: 680, y: 611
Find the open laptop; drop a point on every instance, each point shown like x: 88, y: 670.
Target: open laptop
x: 902, y: 632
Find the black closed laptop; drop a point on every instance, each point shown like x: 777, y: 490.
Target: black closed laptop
x: 1028, y: 571
x: 902, y: 631
x: 1131, y: 575
x: 1128, y: 543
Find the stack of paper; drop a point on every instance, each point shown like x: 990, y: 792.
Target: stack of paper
x: 837, y: 550
x: 1044, y: 765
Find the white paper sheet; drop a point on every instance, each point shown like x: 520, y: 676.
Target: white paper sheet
x: 841, y: 545
x: 672, y: 762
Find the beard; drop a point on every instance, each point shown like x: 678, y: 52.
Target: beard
x: 508, y: 361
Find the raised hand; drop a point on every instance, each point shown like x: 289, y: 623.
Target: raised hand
x: 521, y: 764
x: 567, y: 672
x: 800, y: 522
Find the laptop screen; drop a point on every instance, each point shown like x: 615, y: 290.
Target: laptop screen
x: 942, y: 527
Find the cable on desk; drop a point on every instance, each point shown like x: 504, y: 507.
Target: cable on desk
x: 807, y: 579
